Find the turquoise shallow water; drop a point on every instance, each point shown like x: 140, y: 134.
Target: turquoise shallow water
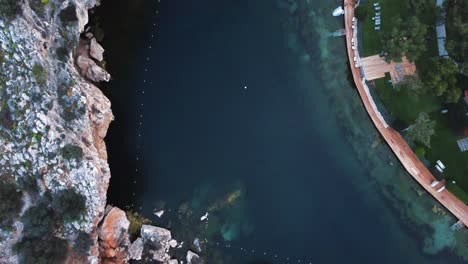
x: 247, y: 112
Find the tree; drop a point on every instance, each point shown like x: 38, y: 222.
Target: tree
x: 411, y: 84
x: 457, y: 29
x: 442, y: 79
x: 406, y: 37
x: 422, y: 130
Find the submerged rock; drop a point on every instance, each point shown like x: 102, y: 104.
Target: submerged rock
x: 193, y: 258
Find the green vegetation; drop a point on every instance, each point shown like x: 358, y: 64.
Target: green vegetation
x: 9, y: 8
x: 420, y: 152
x: 39, y: 221
x: 71, y: 107
x: 42, y: 251
x: 406, y: 37
x: 70, y: 152
x: 62, y: 53
x: 402, y: 104
x: 396, y: 16
x: 442, y: 80
x: 83, y: 243
x: 422, y: 130
x: 69, y: 205
x: 457, y: 30
x: 39, y: 243
x: 39, y: 73
x: 136, y: 221
x: 68, y: 15
x: 413, y: 86
x: 11, y: 202
x: 437, y: 86
x: 38, y: 6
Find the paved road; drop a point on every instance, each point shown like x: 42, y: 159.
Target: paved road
x: 399, y: 146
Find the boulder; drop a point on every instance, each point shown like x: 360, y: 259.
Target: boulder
x: 89, y: 69
x: 157, y: 240
x: 114, y: 228
x: 95, y: 50
x: 113, y: 237
x: 136, y: 249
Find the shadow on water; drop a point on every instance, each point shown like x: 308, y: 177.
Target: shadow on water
x: 120, y: 38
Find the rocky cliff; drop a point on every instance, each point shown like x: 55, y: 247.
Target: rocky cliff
x: 53, y: 160
x: 53, y: 119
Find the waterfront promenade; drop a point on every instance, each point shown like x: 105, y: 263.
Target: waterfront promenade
x: 398, y: 145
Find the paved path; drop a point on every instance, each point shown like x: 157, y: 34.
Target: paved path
x: 399, y: 146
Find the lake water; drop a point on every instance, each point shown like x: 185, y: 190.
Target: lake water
x: 244, y: 109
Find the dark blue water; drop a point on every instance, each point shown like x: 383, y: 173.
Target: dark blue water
x: 235, y: 121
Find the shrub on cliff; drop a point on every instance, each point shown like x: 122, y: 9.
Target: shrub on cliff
x: 38, y: 221
x: 39, y: 73
x: 9, y: 8
x: 70, y: 152
x: 68, y: 14
x: 136, y: 221
x: 11, y: 202
x: 69, y: 205
x: 83, y: 243
x: 42, y: 250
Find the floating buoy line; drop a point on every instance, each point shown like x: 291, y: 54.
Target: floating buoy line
x: 232, y: 247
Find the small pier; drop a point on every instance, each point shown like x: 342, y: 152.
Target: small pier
x: 338, y: 33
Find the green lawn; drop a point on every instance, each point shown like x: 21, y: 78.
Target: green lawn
x: 443, y: 144
x: 400, y: 105
x: 444, y: 147
x: 371, y: 37
x: 406, y: 108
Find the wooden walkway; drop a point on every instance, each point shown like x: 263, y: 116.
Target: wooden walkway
x: 375, y: 67
x: 399, y: 146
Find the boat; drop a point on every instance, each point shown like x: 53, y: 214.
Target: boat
x: 338, y: 11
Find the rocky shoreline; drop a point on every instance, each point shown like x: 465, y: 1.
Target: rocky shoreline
x: 53, y: 120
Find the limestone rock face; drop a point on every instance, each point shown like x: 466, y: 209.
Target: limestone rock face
x: 91, y: 70
x: 46, y: 106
